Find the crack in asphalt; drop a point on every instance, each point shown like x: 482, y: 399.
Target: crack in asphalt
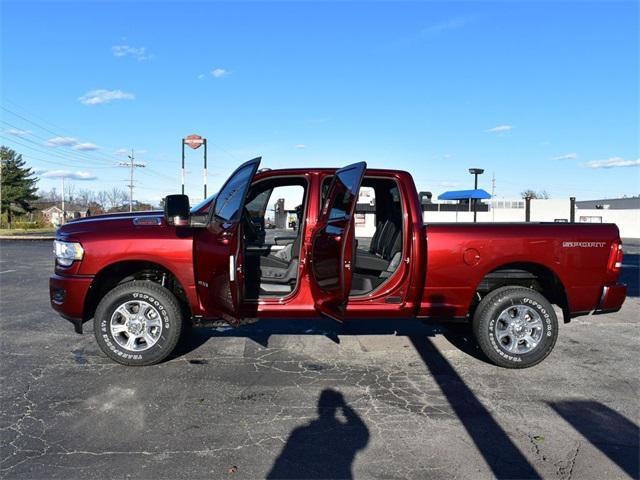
x: 231, y: 401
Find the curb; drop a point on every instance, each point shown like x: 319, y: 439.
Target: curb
x: 28, y: 237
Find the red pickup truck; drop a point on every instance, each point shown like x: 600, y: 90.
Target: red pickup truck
x: 143, y: 277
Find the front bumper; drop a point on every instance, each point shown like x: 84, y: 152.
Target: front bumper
x: 611, y: 299
x: 67, y: 296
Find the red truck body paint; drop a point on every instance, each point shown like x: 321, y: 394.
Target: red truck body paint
x: 442, y: 268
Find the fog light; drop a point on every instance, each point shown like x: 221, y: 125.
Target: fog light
x: 59, y: 295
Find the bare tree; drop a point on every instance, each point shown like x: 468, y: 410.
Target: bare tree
x: 49, y: 195
x: 85, y: 197
x: 533, y: 194
x: 69, y: 191
x: 116, y: 198
x: 102, y: 198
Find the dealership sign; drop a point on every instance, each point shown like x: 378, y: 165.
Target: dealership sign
x: 194, y: 141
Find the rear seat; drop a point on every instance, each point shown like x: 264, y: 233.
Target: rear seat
x: 385, y: 244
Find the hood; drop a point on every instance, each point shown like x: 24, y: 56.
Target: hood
x: 146, y: 213
x: 113, y: 222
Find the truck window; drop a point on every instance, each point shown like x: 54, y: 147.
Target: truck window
x: 229, y: 200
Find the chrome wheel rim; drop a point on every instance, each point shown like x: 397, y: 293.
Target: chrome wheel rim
x: 519, y: 329
x: 135, y: 325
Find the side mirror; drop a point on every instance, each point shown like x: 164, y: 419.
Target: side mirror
x: 176, y: 210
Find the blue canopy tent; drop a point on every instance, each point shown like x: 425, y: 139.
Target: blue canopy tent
x: 470, y: 195
x: 478, y: 194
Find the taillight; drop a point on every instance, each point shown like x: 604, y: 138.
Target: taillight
x: 615, y: 257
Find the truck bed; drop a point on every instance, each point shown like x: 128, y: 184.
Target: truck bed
x: 461, y: 256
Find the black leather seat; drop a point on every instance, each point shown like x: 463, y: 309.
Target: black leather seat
x: 278, y: 275
x: 385, y: 243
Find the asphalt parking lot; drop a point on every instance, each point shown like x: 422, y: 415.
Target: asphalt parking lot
x: 312, y: 399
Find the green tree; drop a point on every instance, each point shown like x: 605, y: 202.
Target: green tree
x: 18, y: 185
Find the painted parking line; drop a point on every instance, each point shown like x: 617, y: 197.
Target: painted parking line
x: 7, y: 271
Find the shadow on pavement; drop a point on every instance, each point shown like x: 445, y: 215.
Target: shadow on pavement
x: 503, y: 457
x: 327, y: 446
x: 459, y: 335
x: 607, y: 430
x: 500, y: 453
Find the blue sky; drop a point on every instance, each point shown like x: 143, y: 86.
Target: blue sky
x: 544, y: 94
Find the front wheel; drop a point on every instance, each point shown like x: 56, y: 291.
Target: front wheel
x: 138, y: 323
x: 515, y: 327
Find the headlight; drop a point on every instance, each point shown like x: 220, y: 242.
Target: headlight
x: 67, y: 252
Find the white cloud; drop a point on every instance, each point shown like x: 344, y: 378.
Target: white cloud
x: 449, y: 184
x: 219, y: 72
x: 301, y: 146
x: 612, y: 162
x: 77, y: 175
x: 62, y: 142
x: 139, y: 53
x: 100, y: 96
x: 16, y: 132
x: 201, y: 76
x: 85, y: 147
x: 568, y: 156
x: 500, y: 129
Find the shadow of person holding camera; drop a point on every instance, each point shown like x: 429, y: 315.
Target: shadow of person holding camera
x: 327, y: 446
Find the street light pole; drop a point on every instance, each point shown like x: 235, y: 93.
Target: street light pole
x: 475, y: 172
x: 182, y: 171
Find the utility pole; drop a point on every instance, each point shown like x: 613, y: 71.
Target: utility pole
x: 64, y: 215
x: 132, y: 165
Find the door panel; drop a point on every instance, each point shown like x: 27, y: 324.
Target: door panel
x: 332, y: 242
x: 218, y: 249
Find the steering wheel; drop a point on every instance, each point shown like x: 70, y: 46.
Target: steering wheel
x: 248, y: 227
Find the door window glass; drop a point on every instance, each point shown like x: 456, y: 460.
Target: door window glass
x: 229, y: 200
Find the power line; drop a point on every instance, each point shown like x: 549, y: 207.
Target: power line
x: 57, y: 134
x: 72, y: 156
x: 20, y: 107
x: 77, y: 153
x: 69, y: 158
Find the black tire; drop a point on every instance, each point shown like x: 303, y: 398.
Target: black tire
x: 486, y: 323
x: 164, y: 303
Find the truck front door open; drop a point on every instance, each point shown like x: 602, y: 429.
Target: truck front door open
x: 218, y: 253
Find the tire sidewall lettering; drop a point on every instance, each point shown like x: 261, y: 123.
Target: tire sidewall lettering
x: 542, y: 311
x: 111, y: 344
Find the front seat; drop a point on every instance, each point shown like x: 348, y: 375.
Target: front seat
x: 278, y: 273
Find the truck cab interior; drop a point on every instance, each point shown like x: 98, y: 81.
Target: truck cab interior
x: 272, y: 226
x: 378, y: 247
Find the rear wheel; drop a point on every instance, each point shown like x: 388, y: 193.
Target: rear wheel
x: 516, y: 327
x: 138, y: 323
